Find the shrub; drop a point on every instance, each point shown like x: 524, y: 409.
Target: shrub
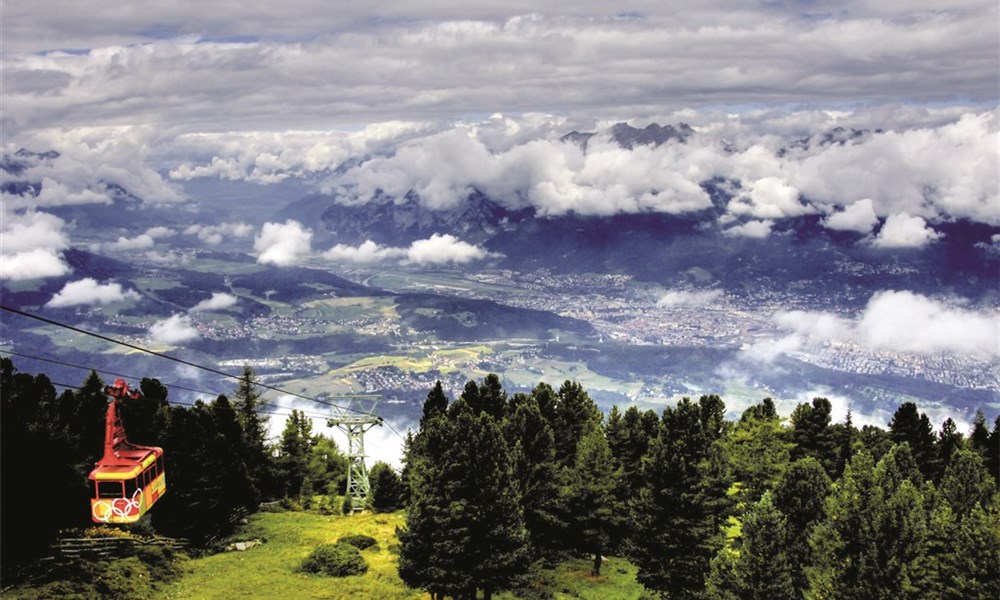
x: 335, y: 560
x: 359, y: 541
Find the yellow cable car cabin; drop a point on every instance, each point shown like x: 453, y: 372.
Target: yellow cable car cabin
x: 129, y: 478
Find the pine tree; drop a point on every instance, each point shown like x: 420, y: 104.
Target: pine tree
x: 993, y: 451
x: 760, y: 568
x: 915, y: 429
x: 590, y: 499
x: 800, y: 496
x: 758, y: 451
x: 964, y: 533
x: 950, y: 441
x: 675, y: 519
x: 43, y: 470
x: 387, y: 488
x: 533, y: 454
x: 813, y: 435
x: 875, y: 441
x: 492, y: 397
x: 293, y: 458
x: 576, y: 415
x: 628, y: 437
x: 873, y: 540
x: 465, y: 528
x: 253, y: 448
x: 435, y: 404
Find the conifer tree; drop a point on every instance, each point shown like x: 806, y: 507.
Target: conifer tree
x: 873, y: 540
x: 492, y: 397
x: 43, y: 470
x: 993, y: 451
x: 293, y: 458
x: 676, y: 516
x: 950, y: 441
x: 628, y: 437
x: 760, y: 568
x: 915, y: 429
x: 253, y: 447
x: 813, y: 435
x: 533, y: 454
x: 800, y: 496
x: 758, y: 451
x: 465, y: 529
x: 589, y: 497
x: 875, y: 441
x: 979, y: 437
x: 387, y: 488
x: 576, y: 415
x: 435, y: 404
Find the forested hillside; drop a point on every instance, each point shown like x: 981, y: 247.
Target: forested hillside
x: 496, y: 487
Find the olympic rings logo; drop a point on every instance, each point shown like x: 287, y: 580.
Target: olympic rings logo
x: 118, y: 508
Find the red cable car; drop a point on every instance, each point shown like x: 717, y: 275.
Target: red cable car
x: 129, y: 478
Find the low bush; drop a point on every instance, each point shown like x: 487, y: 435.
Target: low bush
x: 335, y: 560
x: 361, y: 542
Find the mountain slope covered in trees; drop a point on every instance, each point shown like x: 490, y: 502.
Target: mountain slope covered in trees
x: 497, y: 488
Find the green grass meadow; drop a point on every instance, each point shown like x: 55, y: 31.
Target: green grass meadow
x: 271, y: 571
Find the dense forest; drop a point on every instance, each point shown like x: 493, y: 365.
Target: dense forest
x: 495, y: 486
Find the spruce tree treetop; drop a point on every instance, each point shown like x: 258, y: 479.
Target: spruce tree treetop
x: 435, y: 404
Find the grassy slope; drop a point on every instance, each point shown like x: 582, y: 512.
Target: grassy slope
x: 269, y: 570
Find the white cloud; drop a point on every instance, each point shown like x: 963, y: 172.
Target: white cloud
x: 216, y: 234
x: 899, y: 321
x: 160, y: 232
x: 89, y: 292
x: 434, y: 60
x: 31, y: 244
x: 675, y: 298
x: 903, y: 231
x: 282, y: 244
x: 439, y: 249
x: 173, y: 330
x: 32, y: 264
x: 92, y: 161
x: 367, y: 253
x: 859, y: 216
x: 218, y: 301
x: 914, y: 323
x: 442, y: 249
x: 142, y: 241
x: 769, y: 198
x: 751, y: 229
x: 54, y: 193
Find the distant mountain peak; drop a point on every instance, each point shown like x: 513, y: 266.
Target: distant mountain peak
x: 22, y: 159
x: 629, y: 137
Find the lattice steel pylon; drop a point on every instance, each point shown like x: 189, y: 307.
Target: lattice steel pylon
x: 354, y: 423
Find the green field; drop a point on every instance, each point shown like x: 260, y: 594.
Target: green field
x: 270, y: 570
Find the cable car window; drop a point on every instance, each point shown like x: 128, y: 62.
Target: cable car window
x: 109, y: 489
x: 129, y: 487
x: 159, y: 465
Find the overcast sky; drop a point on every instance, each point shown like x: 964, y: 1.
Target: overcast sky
x: 224, y: 66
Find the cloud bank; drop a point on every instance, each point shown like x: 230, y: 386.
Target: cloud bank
x: 283, y: 244
x: 173, y: 330
x: 898, y: 321
x: 89, y: 292
x: 218, y: 301
x: 439, y: 249
x: 679, y: 298
x: 301, y: 65
x: 31, y: 245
